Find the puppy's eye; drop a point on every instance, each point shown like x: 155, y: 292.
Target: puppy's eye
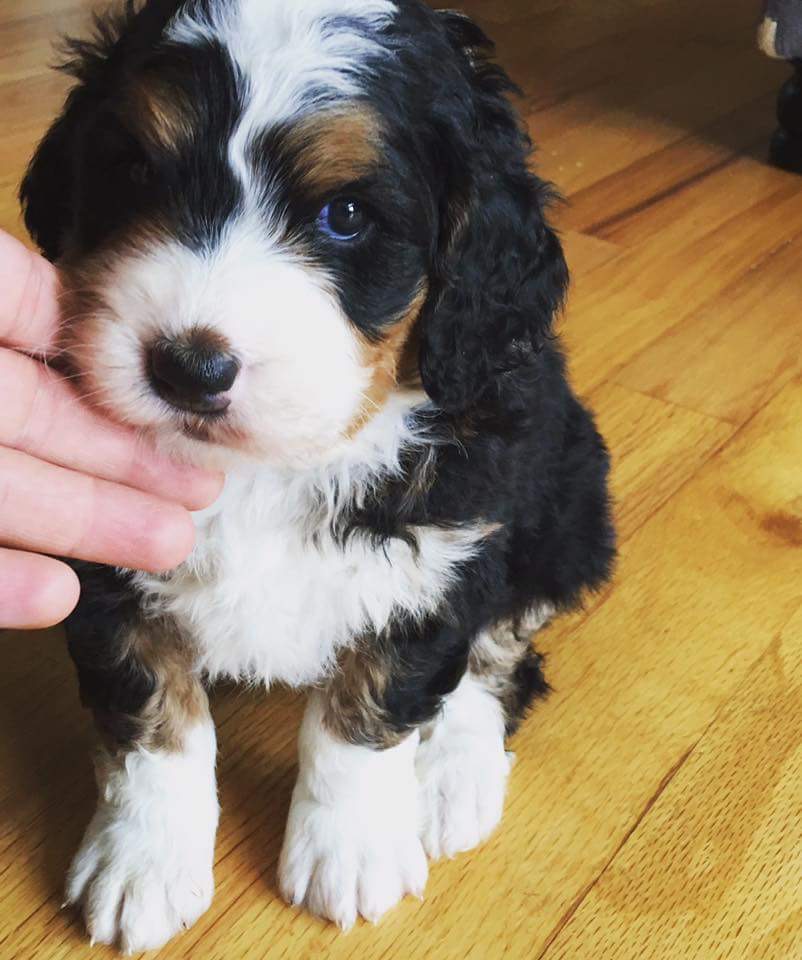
x: 343, y: 219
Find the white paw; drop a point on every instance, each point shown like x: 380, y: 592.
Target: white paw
x: 341, y: 864
x: 144, y: 869
x: 133, y: 893
x: 463, y: 780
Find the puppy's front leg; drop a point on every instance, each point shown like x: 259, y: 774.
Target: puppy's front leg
x: 144, y: 869
x: 352, y: 844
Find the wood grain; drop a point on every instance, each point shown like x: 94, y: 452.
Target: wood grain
x: 712, y: 869
x: 725, y: 336
x: 654, y: 810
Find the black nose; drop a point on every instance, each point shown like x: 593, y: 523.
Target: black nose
x: 192, y: 376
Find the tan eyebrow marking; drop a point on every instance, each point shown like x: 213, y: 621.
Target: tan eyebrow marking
x: 335, y: 147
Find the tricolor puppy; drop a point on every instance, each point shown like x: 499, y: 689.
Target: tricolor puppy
x: 299, y: 240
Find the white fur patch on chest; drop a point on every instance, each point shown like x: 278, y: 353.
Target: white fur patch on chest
x: 270, y: 595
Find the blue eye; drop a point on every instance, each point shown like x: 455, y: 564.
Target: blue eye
x: 342, y: 219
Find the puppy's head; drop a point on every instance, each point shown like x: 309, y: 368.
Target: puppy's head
x: 270, y: 216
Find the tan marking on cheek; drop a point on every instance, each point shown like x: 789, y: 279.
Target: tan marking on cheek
x: 335, y: 148
x: 386, y: 360
x: 81, y: 328
x: 409, y: 360
x: 86, y: 315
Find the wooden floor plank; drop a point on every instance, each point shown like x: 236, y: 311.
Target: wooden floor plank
x: 609, y: 207
x: 656, y: 448
x: 627, y: 304
x: 724, y: 336
x: 649, y: 119
x: 714, y: 868
x: 585, y: 252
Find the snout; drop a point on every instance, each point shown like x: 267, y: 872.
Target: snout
x: 194, y: 375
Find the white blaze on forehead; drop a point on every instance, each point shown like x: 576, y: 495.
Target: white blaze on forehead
x: 292, y: 55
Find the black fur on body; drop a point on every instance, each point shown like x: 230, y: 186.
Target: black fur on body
x: 513, y: 448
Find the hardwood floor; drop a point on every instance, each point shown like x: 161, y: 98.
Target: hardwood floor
x: 655, y: 809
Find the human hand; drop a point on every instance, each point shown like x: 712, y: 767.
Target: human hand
x: 71, y: 483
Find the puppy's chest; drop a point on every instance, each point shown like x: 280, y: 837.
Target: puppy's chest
x: 269, y: 597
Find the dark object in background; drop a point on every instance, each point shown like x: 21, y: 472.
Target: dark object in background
x: 780, y: 33
x: 780, y: 36
x: 786, y: 144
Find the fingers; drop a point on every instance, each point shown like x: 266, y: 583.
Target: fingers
x: 35, y: 592
x: 47, y: 509
x: 41, y: 415
x: 29, y: 299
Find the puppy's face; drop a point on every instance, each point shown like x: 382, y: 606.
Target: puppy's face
x: 251, y: 241
x: 272, y: 214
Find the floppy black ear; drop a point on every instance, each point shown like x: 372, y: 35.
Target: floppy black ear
x: 501, y: 275
x: 47, y: 192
